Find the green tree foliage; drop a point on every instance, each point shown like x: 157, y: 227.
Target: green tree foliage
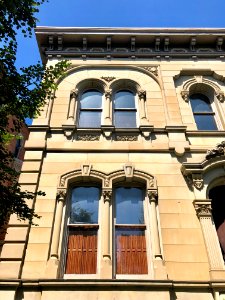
x: 22, y: 94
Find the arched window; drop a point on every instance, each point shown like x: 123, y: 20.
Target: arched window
x: 90, y: 109
x: 82, y: 231
x: 124, y: 109
x: 217, y: 195
x: 203, y: 114
x: 130, y: 255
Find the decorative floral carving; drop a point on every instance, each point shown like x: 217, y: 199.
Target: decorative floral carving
x: 108, y: 93
x: 198, y: 183
x: 151, y: 69
x: 151, y: 182
x: 203, y: 209
x: 124, y: 138
x: 106, y: 183
x: 218, y: 151
x: 185, y: 95
x: 88, y: 137
x: 108, y: 78
x: 107, y: 195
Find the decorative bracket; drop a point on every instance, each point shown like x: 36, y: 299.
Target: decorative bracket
x: 107, y: 195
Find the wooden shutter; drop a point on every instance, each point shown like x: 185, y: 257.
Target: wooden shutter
x: 131, y: 257
x: 82, y: 251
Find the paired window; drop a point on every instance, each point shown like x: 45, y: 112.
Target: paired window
x: 203, y: 114
x: 129, y: 242
x: 91, y: 109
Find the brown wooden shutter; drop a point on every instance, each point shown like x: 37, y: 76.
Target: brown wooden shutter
x: 82, y: 251
x: 131, y: 255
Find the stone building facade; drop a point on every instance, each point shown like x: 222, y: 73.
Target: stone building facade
x: 130, y: 154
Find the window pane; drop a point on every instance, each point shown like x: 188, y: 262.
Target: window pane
x: 82, y: 251
x: 124, y: 99
x: 91, y: 99
x: 205, y: 122
x: 84, y: 205
x: 131, y: 251
x: 129, y: 206
x: 90, y: 119
x: 200, y: 103
x: 125, y: 119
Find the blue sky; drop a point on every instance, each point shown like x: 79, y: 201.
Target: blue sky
x: 122, y: 13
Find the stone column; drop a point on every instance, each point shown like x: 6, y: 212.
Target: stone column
x: 108, y: 95
x: 157, y: 248
x: 106, y: 263
x: 57, y: 225
x: 142, y: 98
x: 72, y: 106
x: 203, y: 211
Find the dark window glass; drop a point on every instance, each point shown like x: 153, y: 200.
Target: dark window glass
x: 91, y: 99
x: 124, y: 110
x: 129, y: 205
x: 124, y: 99
x: 217, y: 194
x: 203, y: 113
x: 84, y: 205
x: 90, y: 109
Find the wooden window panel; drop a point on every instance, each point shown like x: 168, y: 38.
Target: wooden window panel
x: 82, y: 251
x: 131, y: 256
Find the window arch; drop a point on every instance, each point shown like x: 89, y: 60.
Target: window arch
x: 124, y: 109
x: 203, y: 114
x: 90, y: 109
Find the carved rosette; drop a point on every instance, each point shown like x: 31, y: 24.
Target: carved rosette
x: 203, y: 209
x: 61, y: 195
x: 218, y: 151
x: 107, y: 195
x: 185, y: 95
x: 152, y: 195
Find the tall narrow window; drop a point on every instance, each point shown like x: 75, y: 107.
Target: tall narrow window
x: 82, y: 231
x: 203, y: 113
x: 124, y: 109
x: 90, y: 109
x: 217, y: 194
x: 130, y: 244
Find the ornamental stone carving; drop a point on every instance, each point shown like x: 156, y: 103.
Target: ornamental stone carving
x: 152, y: 195
x: 124, y: 138
x: 142, y: 94
x: 88, y: 137
x: 198, y: 183
x: 61, y: 194
x: 203, y: 209
x: 107, y: 195
x: 108, y: 93
x: 185, y: 95
x: 219, y: 150
x: 220, y: 96
x: 108, y: 78
x: 74, y: 93
x: 151, y: 69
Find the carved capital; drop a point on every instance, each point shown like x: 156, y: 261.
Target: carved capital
x: 108, y: 94
x: 61, y: 195
x: 220, y: 96
x: 74, y: 93
x: 185, y: 95
x: 152, y: 195
x: 142, y: 94
x: 107, y: 195
x: 203, y: 208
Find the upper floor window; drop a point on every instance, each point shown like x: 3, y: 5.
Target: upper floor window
x: 82, y: 231
x: 124, y: 109
x: 130, y: 245
x: 203, y: 114
x: 90, y: 109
